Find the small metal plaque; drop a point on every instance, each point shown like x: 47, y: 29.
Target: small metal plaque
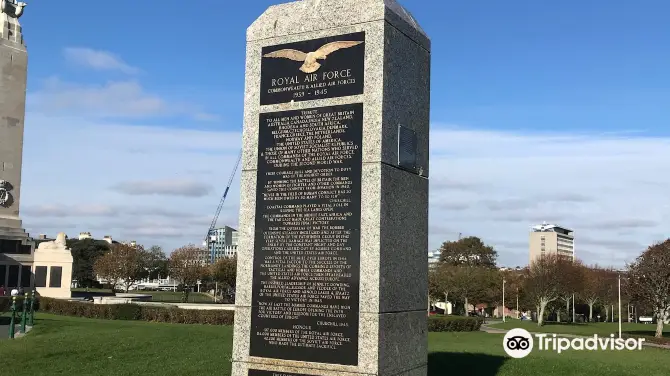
x: 407, y: 145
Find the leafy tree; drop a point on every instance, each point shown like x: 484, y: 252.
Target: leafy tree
x: 595, y: 287
x: 224, y: 271
x: 84, y: 254
x: 571, y: 282
x: 157, y: 263
x: 471, y: 284
x: 542, y: 283
x: 514, y: 288
x: 469, y: 251
x: 441, y: 282
x: 186, y: 265
x: 610, y: 291
x: 124, y: 264
x: 650, y: 274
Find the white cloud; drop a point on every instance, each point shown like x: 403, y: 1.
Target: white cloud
x: 97, y: 60
x: 112, y: 99
x: 107, y: 99
x: 490, y: 184
x: 597, y: 185
x: 165, y: 187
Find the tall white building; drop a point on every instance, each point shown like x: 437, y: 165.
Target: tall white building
x: 548, y: 239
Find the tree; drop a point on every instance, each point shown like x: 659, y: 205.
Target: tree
x: 471, y: 284
x: 594, y: 287
x: 469, y: 251
x: 441, y: 281
x: 84, y: 254
x: 542, y: 283
x: 571, y: 281
x: 650, y: 275
x: 610, y: 291
x: 186, y: 265
x: 124, y: 264
x: 224, y: 271
x: 514, y: 287
x: 157, y: 263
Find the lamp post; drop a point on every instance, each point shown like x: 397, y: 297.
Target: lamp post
x: 619, y: 304
x: 573, y: 308
x: 503, y: 305
x: 517, y: 302
x: 31, y: 322
x: 25, y: 313
x: 11, y: 320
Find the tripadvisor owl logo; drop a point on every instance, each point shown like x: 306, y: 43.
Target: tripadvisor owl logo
x: 518, y: 343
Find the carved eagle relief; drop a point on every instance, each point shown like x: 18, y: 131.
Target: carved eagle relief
x: 311, y: 64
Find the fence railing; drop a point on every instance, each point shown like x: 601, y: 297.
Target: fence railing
x: 21, y: 309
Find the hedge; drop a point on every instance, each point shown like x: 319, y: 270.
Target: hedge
x: 454, y: 324
x: 135, y: 312
x: 207, y: 317
x: 6, y: 303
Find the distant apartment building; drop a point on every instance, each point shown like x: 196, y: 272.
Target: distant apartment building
x: 222, y: 243
x: 546, y: 239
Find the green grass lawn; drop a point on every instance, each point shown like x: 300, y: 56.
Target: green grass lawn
x: 175, y: 297
x: 75, y: 346
x: 159, y: 296
x: 586, y: 329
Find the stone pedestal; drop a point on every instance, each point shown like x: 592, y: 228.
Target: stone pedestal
x: 53, y: 269
x: 332, y: 267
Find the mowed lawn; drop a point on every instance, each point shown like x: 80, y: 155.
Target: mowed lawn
x: 157, y: 296
x: 586, y: 329
x: 75, y: 346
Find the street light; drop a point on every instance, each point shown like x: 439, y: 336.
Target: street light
x: 517, y: 302
x: 619, y: 305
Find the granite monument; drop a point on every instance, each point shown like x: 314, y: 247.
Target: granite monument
x: 332, y: 265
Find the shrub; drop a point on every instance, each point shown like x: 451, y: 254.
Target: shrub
x: 136, y: 312
x: 6, y: 303
x: 454, y: 324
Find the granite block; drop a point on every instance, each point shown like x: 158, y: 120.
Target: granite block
x: 245, y: 248
x: 403, y: 341
x: 310, y: 16
x: 403, y: 229
x: 406, y: 70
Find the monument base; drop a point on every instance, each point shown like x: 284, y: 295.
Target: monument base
x: 53, y: 269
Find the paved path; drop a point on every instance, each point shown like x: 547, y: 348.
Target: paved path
x: 488, y: 329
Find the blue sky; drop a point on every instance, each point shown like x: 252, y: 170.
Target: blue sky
x: 540, y: 111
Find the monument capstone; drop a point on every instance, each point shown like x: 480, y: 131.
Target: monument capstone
x: 332, y: 267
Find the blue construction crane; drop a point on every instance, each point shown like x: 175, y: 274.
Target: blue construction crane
x: 211, y: 233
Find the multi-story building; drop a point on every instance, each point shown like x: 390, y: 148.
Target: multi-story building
x: 546, y: 239
x: 222, y: 243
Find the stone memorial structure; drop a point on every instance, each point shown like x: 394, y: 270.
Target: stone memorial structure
x: 16, y: 247
x: 53, y: 269
x: 332, y: 267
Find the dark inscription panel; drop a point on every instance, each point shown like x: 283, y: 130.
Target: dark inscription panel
x: 258, y: 372
x: 307, y: 246
x: 297, y: 71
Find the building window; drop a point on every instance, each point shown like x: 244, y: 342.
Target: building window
x: 13, y: 276
x: 40, y: 276
x: 55, y: 276
x: 26, y: 275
